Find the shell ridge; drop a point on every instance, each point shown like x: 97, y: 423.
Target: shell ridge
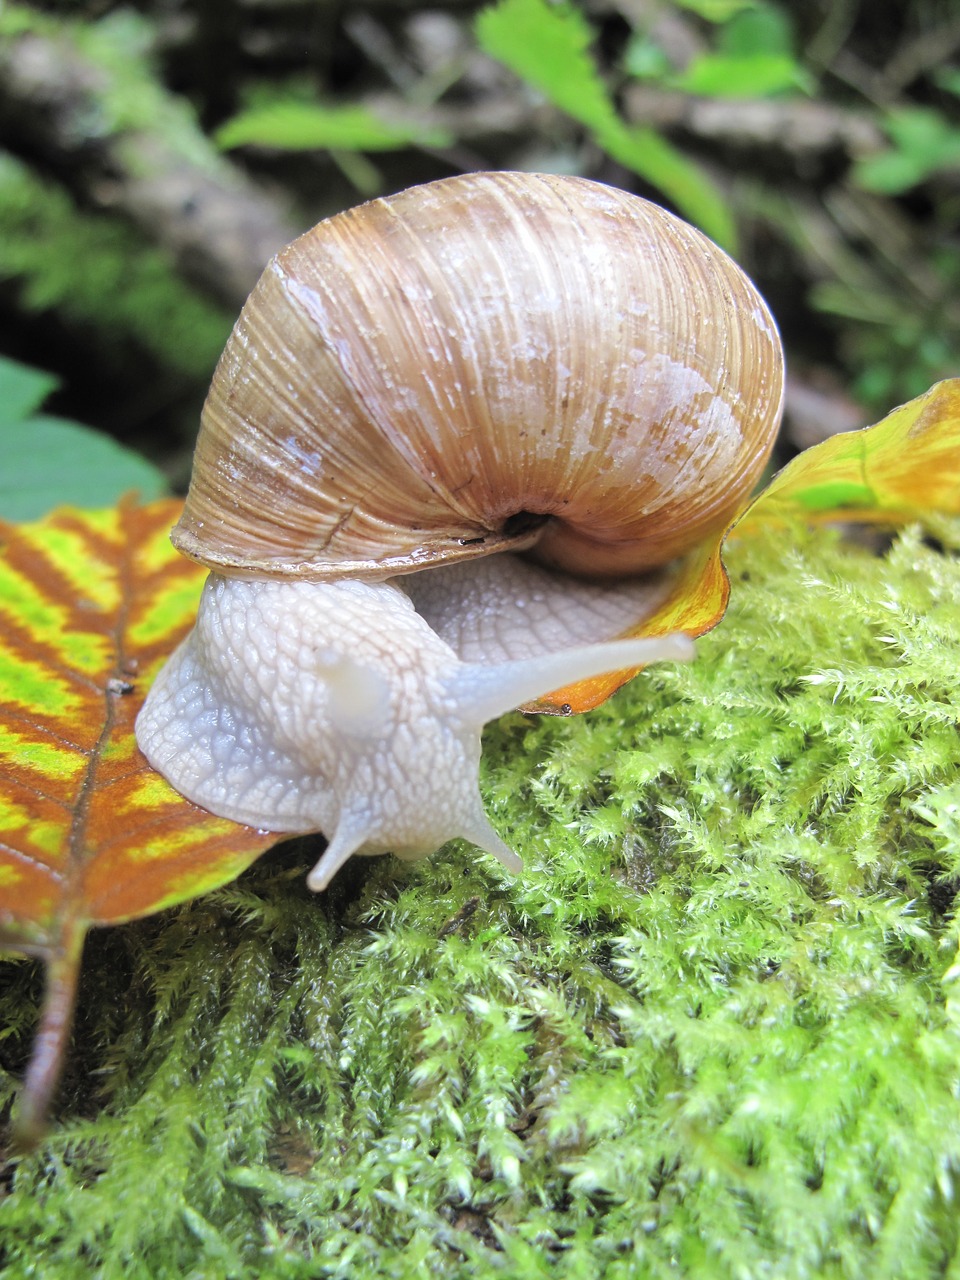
x: 476, y: 348
x: 388, y: 432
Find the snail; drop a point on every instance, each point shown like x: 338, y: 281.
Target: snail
x: 453, y: 447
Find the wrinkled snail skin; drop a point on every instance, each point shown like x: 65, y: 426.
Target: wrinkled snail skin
x: 297, y: 706
x: 491, y: 363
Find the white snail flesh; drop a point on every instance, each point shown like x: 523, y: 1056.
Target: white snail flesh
x: 496, y: 363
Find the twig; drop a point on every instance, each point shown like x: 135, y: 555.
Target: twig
x: 932, y: 48
x: 799, y: 127
x: 219, y: 226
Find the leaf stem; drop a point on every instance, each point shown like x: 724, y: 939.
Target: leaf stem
x: 56, y: 1021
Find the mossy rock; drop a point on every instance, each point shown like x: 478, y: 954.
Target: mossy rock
x: 711, y: 1032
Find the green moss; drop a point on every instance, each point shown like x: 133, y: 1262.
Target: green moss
x: 711, y: 1032
x: 101, y: 275
x: 126, y: 94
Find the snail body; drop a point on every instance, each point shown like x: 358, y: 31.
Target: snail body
x: 378, y: 741
x: 495, y: 363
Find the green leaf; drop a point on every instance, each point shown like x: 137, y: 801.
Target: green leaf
x: 924, y: 143
x: 890, y: 172
x: 948, y: 78
x: 644, y: 59
x: 22, y: 389
x: 757, y: 28
x: 17, y: 20
x: 716, y: 10
x: 49, y: 461
x: 548, y: 47
x: 646, y: 153
x: 293, y: 125
x: 755, y: 75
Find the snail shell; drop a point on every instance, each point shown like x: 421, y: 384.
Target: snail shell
x: 477, y: 365
x: 496, y: 362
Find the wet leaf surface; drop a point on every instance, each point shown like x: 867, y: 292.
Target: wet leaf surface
x: 91, y: 603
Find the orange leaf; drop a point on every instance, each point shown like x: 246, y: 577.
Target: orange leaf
x: 91, y: 603
x: 696, y: 602
x: 903, y: 468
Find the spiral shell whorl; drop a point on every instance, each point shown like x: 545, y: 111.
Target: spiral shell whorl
x: 411, y: 376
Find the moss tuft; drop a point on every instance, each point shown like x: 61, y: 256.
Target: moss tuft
x: 712, y: 1031
x: 102, y: 276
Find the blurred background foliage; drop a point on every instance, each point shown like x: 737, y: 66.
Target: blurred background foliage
x: 153, y: 155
